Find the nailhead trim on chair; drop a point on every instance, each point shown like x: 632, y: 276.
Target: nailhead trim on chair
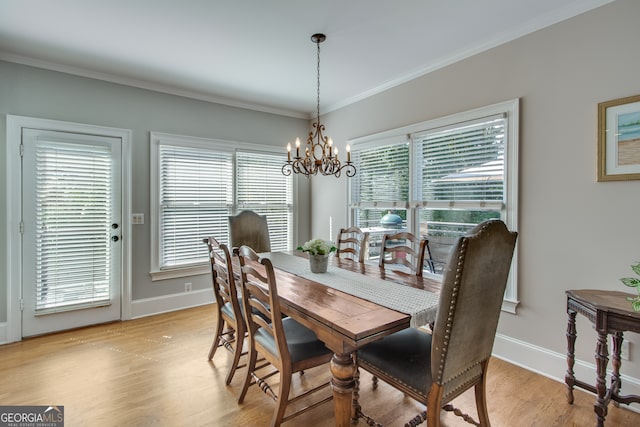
x: 452, y: 306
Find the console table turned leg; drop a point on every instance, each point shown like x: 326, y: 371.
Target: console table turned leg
x: 570, y: 378
x: 616, y: 381
x: 602, y: 359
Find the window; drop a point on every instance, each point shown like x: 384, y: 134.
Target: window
x: 438, y: 179
x: 262, y: 188
x: 197, y: 184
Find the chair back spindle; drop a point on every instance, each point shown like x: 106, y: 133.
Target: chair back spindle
x: 353, y: 243
x: 404, y: 252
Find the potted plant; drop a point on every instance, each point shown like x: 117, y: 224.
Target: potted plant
x: 319, y: 251
x: 634, y: 282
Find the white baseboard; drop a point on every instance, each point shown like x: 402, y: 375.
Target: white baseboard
x: 554, y: 365
x: 4, y: 338
x: 166, y: 303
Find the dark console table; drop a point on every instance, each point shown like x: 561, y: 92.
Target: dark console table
x: 610, y: 313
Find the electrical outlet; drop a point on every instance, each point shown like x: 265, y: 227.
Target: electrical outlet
x: 187, y: 287
x: 624, y: 350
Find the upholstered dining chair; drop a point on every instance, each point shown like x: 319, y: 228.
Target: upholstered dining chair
x: 289, y: 346
x: 250, y: 229
x: 436, y: 368
x: 404, y: 251
x: 353, y: 243
x: 228, y: 309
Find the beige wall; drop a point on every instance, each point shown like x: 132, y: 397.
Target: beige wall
x: 574, y: 232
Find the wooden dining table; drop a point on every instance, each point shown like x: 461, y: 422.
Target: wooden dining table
x: 345, y: 322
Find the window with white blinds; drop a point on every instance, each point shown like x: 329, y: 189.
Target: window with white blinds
x: 73, y: 218
x: 262, y: 188
x: 198, y: 184
x: 196, y: 197
x: 439, y: 178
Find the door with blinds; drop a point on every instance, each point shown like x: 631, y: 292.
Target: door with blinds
x: 71, y: 272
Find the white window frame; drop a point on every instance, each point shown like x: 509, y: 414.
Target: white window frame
x: 509, y: 210
x: 157, y: 139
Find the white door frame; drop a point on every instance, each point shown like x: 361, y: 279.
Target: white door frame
x: 14, y: 212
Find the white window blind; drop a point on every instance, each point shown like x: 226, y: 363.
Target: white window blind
x: 464, y: 162
x: 196, y: 196
x: 261, y: 187
x: 73, y: 203
x: 383, y: 175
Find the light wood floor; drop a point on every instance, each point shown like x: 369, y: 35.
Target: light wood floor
x: 154, y: 371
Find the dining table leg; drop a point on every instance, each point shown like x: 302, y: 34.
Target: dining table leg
x: 343, y: 369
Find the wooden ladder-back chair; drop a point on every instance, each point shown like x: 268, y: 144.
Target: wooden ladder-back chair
x: 228, y: 307
x: 405, y: 251
x: 250, y: 229
x: 289, y: 346
x: 353, y: 243
x: 436, y: 368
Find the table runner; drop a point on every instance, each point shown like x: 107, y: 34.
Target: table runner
x: 420, y: 304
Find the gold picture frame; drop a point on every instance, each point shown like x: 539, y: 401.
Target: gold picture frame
x: 619, y: 139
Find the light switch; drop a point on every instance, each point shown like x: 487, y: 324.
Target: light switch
x: 137, y: 218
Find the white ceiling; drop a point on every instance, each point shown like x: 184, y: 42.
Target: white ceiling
x: 258, y: 53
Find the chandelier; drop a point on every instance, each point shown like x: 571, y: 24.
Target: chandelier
x: 319, y: 154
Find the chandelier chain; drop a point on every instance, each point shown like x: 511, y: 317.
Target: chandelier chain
x: 318, y: 81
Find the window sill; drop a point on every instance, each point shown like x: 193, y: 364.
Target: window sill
x: 179, y: 272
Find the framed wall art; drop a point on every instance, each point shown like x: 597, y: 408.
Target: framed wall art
x: 619, y: 139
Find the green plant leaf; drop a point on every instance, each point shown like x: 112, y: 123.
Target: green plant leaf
x: 631, y: 282
x: 636, y: 268
x: 636, y: 305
